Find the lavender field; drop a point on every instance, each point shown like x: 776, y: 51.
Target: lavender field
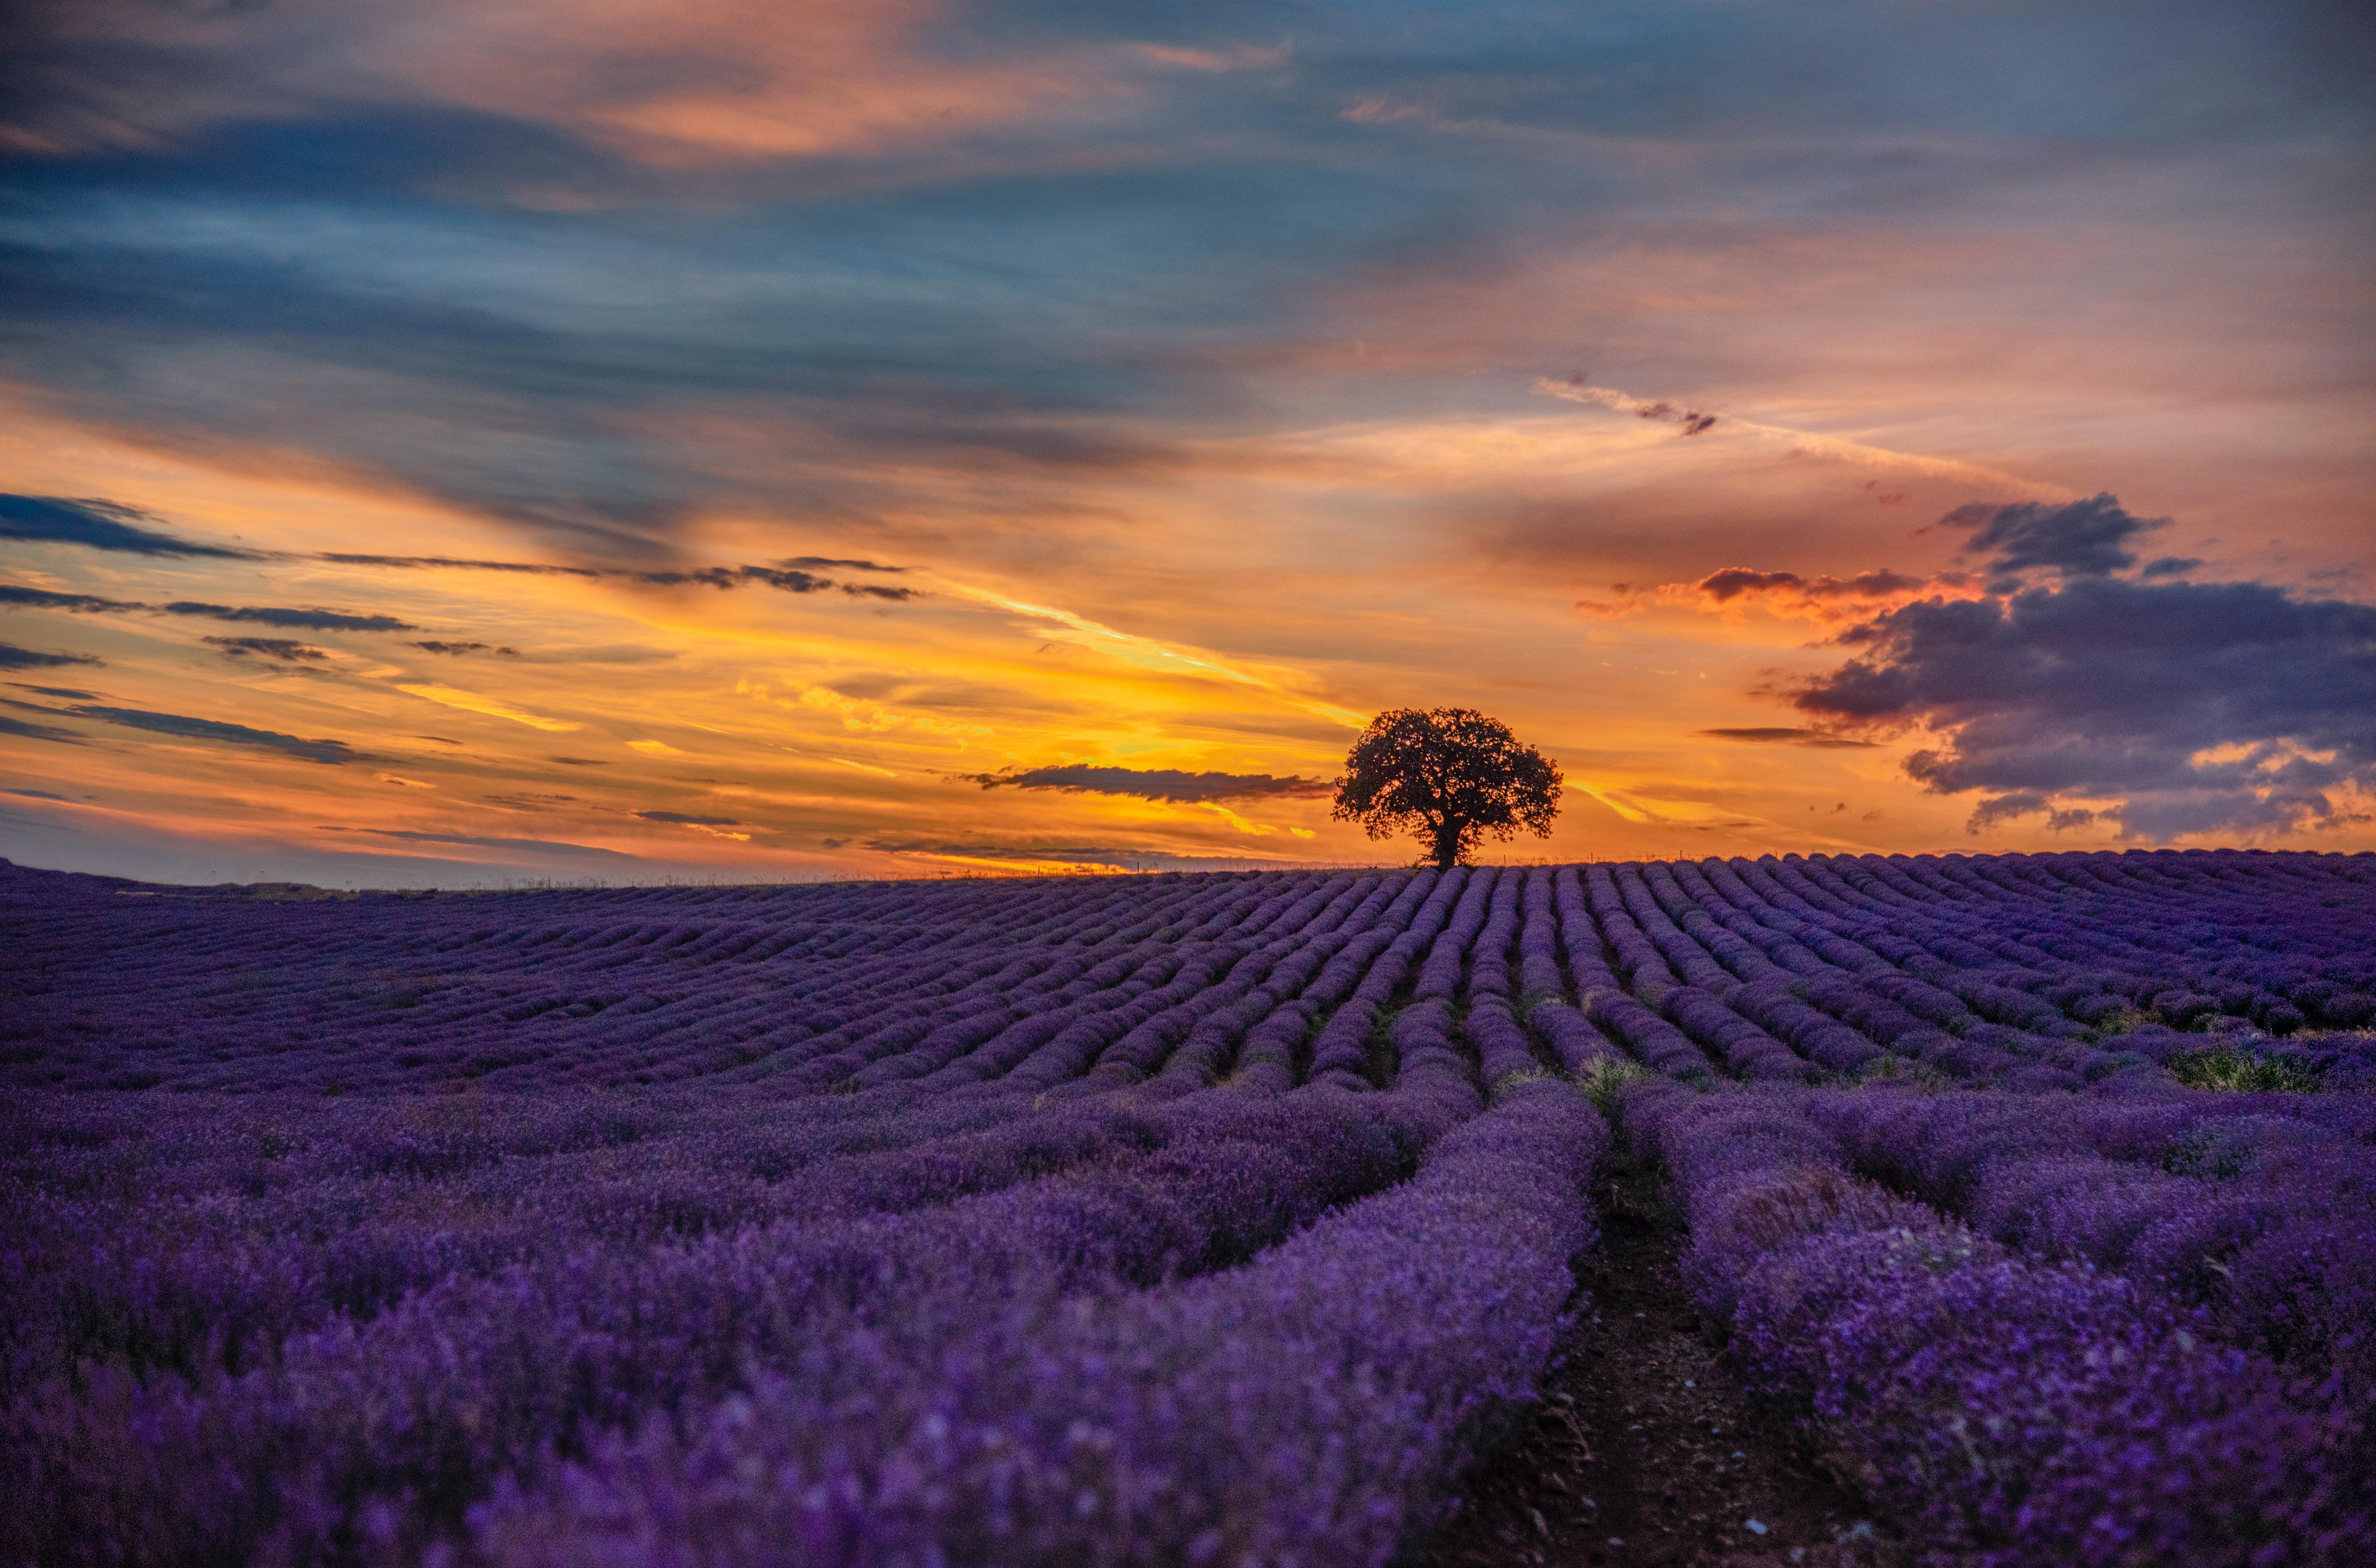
x: 1229, y: 1219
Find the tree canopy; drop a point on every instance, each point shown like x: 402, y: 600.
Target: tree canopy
x: 1448, y: 777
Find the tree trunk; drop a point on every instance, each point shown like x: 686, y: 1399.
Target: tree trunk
x: 1447, y: 844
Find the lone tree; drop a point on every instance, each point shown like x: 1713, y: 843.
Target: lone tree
x: 1448, y: 778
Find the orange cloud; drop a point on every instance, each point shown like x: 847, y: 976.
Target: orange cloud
x: 700, y: 83
x: 474, y: 703
x: 728, y: 80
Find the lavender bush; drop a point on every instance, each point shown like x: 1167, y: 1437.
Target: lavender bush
x: 1202, y: 1217
x: 2013, y: 1410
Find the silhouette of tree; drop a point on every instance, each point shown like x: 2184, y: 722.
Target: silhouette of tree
x: 1448, y: 777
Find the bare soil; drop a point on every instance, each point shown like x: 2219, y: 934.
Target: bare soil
x: 1645, y: 1449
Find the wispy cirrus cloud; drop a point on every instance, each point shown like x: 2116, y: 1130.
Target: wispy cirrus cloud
x: 1860, y: 454
x: 494, y: 707
x: 481, y: 841
x: 1690, y: 421
x: 715, y: 826
x: 1044, y: 856
x: 713, y: 84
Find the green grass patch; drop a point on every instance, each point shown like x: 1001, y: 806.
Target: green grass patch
x: 1607, y: 1079
x: 2225, y: 1067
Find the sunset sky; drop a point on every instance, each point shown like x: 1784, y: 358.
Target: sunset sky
x: 458, y: 443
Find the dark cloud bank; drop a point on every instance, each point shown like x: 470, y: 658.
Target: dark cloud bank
x: 1734, y: 582
x: 112, y: 525
x: 2086, y: 538
x: 1029, y: 257
x: 1156, y: 783
x: 2197, y: 708
x: 15, y: 657
x: 15, y: 598
x: 460, y: 650
x: 789, y: 577
x: 1771, y: 736
x: 287, y: 650
x: 99, y: 525
x: 1072, y: 854
x: 181, y: 727
x: 26, y: 730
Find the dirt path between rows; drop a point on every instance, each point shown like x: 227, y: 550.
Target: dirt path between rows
x: 1645, y: 1451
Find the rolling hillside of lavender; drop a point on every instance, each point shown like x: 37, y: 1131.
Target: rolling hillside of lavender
x: 2003, y: 1210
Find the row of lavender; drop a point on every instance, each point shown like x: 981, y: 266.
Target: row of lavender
x: 268, y: 1389
x: 187, y: 1250
x: 2136, y: 1326
x: 243, y: 1316
x: 196, y: 1243
x: 1002, y: 1398
x: 1148, y: 1324
x: 2024, y: 971
x: 2035, y: 971
x: 127, y: 987
x: 2048, y: 1328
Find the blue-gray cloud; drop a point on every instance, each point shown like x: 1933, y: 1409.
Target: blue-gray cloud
x: 99, y: 524
x: 15, y: 657
x: 298, y: 620
x: 829, y: 561
x: 449, y: 562
x: 108, y: 525
x: 2103, y: 688
x: 1033, y: 297
x: 788, y: 576
x: 26, y: 730
x: 13, y: 596
x: 287, y: 650
x: 581, y: 453
x: 1154, y: 783
x: 689, y: 821
x: 182, y: 727
x: 2084, y: 538
x: 460, y: 650
x: 1772, y: 735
